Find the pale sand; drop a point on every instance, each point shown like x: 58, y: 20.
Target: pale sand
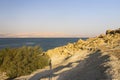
x: 81, y: 66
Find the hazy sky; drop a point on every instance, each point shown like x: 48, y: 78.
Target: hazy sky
x: 58, y: 18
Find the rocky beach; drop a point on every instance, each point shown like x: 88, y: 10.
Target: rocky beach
x: 96, y: 58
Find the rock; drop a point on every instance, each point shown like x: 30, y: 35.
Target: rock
x: 110, y: 32
x: 91, y: 44
x: 113, y: 31
x: 117, y: 31
x: 80, y: 41
x: 101, y: 36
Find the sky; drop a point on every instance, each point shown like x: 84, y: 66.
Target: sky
x: 58, y: 18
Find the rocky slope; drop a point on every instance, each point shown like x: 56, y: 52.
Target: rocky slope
x: 108, y: 44
x: 111, y: 39
x: 96, y: 58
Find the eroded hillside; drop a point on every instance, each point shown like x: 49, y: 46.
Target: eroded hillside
x: 108, y: 44
x: 110, y: 40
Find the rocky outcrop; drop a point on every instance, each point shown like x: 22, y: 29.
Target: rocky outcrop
x: 83, y: 59
x: 110, y: 39
x: 113, y: 31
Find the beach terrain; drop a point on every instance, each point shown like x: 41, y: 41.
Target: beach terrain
x: 96, y: 58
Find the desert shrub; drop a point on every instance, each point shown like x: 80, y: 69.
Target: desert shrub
x: 22, y: 61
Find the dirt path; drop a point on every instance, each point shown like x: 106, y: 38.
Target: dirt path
x: 91, y: 69
x: 77, y: 68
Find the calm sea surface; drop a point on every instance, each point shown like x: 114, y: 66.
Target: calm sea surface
x: 45, y: 43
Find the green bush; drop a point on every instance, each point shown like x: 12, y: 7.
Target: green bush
x: 22, y: 61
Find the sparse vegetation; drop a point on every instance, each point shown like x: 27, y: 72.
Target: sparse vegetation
x: 22, y: 61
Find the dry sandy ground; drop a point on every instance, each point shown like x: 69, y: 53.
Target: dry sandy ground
x: 81, y: 66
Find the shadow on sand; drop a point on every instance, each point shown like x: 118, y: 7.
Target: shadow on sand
x: 90, y: 68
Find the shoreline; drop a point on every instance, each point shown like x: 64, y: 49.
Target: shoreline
x: 83, y: 60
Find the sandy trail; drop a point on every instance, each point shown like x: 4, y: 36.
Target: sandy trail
x: 89, y: 69
x: 83, y: 66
